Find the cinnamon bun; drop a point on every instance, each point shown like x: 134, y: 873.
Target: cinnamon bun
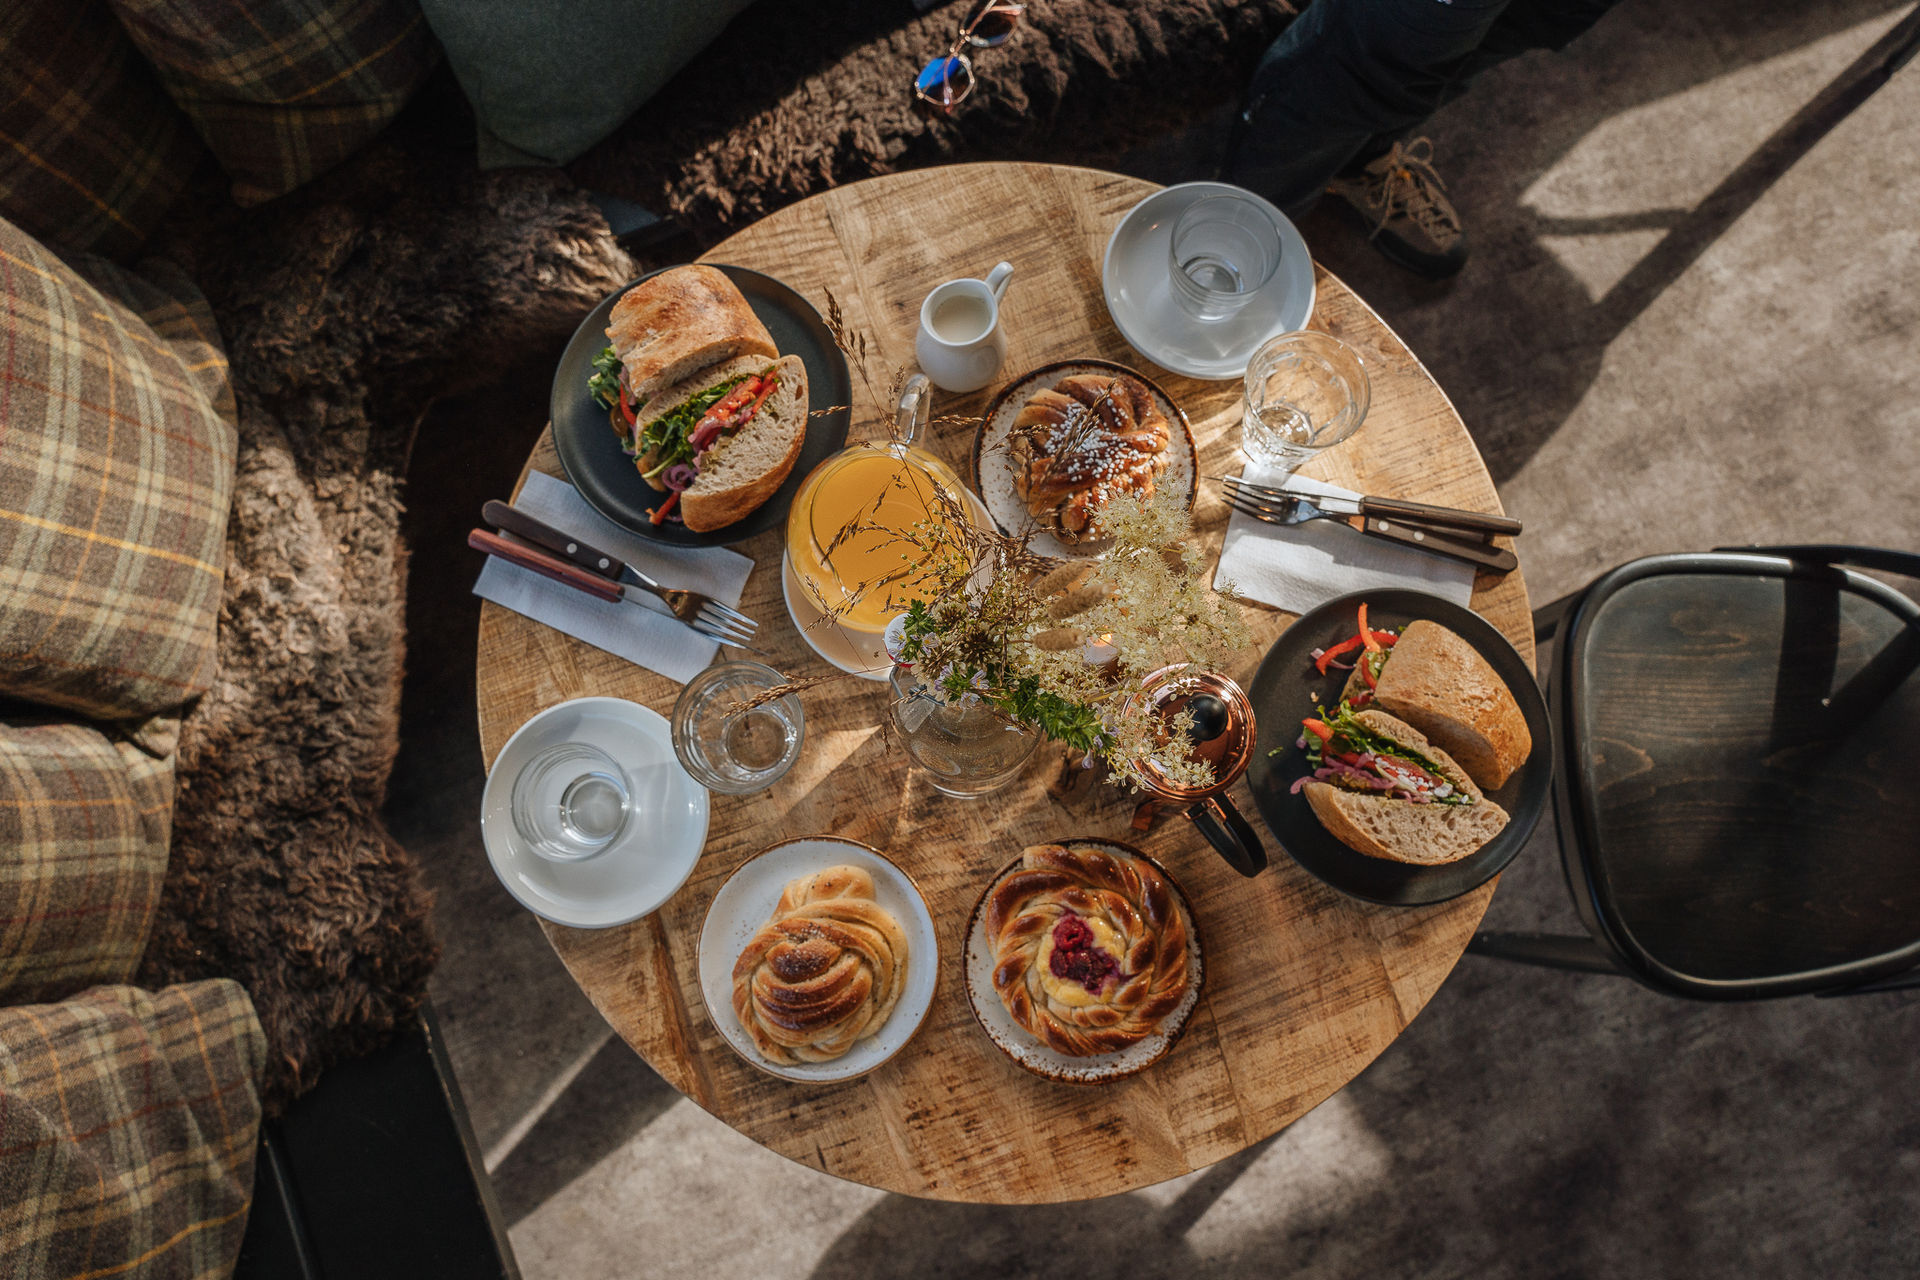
x: 824, y: 973
x: 1081, y: 443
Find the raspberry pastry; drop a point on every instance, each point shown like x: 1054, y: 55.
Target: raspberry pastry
x: 1089, y: 947
x: 1077, y: 445
x: 824, y: 973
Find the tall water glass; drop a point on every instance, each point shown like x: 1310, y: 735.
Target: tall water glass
x: 1305, y: 392
x: 1223, y: 250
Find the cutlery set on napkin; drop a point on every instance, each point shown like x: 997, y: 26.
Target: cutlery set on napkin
x: 581, y: 573
x: 1289, y: 543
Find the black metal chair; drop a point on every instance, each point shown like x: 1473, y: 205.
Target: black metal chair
x: 1737, y: 788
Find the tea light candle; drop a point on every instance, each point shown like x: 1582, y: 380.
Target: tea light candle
x: 1100, y: 651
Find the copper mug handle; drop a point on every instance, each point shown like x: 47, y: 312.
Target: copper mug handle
x: 1230, y: 834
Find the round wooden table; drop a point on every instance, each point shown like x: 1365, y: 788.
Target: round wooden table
x: 1304, y: 986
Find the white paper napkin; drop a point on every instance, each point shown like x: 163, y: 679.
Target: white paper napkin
x: 1299, y: 567
x: 641, y: 636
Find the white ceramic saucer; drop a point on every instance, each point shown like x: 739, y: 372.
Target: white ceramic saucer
x: 1140, y: 296
x: 646, y: 864
x: 746, y: 902
x: 860, y: 655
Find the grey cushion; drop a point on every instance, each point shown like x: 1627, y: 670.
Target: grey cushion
x: 549, y: 78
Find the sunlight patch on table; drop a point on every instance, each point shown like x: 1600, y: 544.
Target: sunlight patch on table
x: 1326, y: 1161
x: 1606, y: 203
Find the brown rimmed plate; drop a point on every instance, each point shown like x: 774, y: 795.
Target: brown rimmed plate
x: 745, y: 903
x: 1034, y: 1054
x: 993, y: 470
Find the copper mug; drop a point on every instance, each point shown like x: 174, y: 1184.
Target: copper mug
x: 1223, y: 736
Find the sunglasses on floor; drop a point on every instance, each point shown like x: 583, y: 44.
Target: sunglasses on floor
x: 946, y: 82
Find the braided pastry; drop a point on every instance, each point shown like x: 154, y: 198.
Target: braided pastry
x: 1089, y: 947
x: 824, y: 972
x: 1074, y: 447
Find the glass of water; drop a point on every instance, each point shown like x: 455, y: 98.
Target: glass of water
x: 1222, y: 251
x: 730, y: 749
x: 570, y: 802
x: 1306, y: 391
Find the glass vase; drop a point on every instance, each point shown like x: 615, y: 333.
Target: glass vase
x: 965, y: 747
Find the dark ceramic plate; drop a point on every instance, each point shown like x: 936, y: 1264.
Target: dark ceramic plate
x: 1283, y: 693
x: 590, y: 451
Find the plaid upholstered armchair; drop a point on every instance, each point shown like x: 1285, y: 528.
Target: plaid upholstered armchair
x: 129, y: 1116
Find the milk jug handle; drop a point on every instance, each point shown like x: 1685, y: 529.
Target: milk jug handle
x: 997, y: 280
x: 914, y: 412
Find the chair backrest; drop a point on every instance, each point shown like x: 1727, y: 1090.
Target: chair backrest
x: 1740, y: 789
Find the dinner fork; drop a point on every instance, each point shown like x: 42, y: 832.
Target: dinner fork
x: 1289, y: 509
x: 566, y: 559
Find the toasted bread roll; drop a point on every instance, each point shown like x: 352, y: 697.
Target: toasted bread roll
x: 1401, y: 830
x: 680, y: 321
x: 745, y: 469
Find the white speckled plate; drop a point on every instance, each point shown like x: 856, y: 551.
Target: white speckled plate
x: 1034, y: 1054
x: 993, y: 469
x: 746, y: 902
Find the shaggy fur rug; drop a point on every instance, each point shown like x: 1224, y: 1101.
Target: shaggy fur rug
x: 349, y: 306
x: 346, y: 310
x: 816, y: 95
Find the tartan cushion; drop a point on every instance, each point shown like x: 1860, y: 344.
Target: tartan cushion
x: 115, y: 476
x: 92, y: 151
x: 128, y: 1124
x: 84, y: 824
x: 284, y: 90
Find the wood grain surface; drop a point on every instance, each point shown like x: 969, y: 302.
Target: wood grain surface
x: 1304, y: 986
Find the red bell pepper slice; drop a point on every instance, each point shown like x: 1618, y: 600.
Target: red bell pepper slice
x: 1328, y: 655
x: 1318, y: 728
x: 659, y: 515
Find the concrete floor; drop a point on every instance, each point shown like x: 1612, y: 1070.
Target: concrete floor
x: 1693, y: 318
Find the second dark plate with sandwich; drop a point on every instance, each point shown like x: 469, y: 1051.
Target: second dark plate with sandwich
x: 604, y: 472
x: 1288, y: 687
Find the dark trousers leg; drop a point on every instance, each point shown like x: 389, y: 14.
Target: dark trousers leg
x: 1348, y: 77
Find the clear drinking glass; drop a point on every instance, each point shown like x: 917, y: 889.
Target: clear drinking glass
x: 1223, y: 249
x: 966, y: 749
x: 1306, y: 391
x: 729, y: 750
x: 570, y: 802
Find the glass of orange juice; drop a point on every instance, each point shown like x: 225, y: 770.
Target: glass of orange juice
x: 866, y: 531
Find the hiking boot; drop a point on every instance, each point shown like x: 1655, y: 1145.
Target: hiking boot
x: 1405, y: 206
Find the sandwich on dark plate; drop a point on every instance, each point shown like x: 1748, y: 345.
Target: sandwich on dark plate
x: 1382, y: 789
x: 703, y: 402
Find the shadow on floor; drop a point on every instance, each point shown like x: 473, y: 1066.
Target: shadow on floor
x: 614, y: 1097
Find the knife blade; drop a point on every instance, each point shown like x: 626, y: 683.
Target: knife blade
x: 541, y: 534
x: 1354, y: 503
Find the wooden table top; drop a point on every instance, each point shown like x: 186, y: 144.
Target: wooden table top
x: 1304, y: 986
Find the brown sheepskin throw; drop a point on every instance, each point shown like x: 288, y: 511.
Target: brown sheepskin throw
x: 345, y: 311
x: 798, y: 98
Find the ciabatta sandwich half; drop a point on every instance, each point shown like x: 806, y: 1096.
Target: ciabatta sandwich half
x: 1382, y: 789
x: 1438, y: 683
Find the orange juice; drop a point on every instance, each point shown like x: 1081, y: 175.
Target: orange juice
x: 885, y: 491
